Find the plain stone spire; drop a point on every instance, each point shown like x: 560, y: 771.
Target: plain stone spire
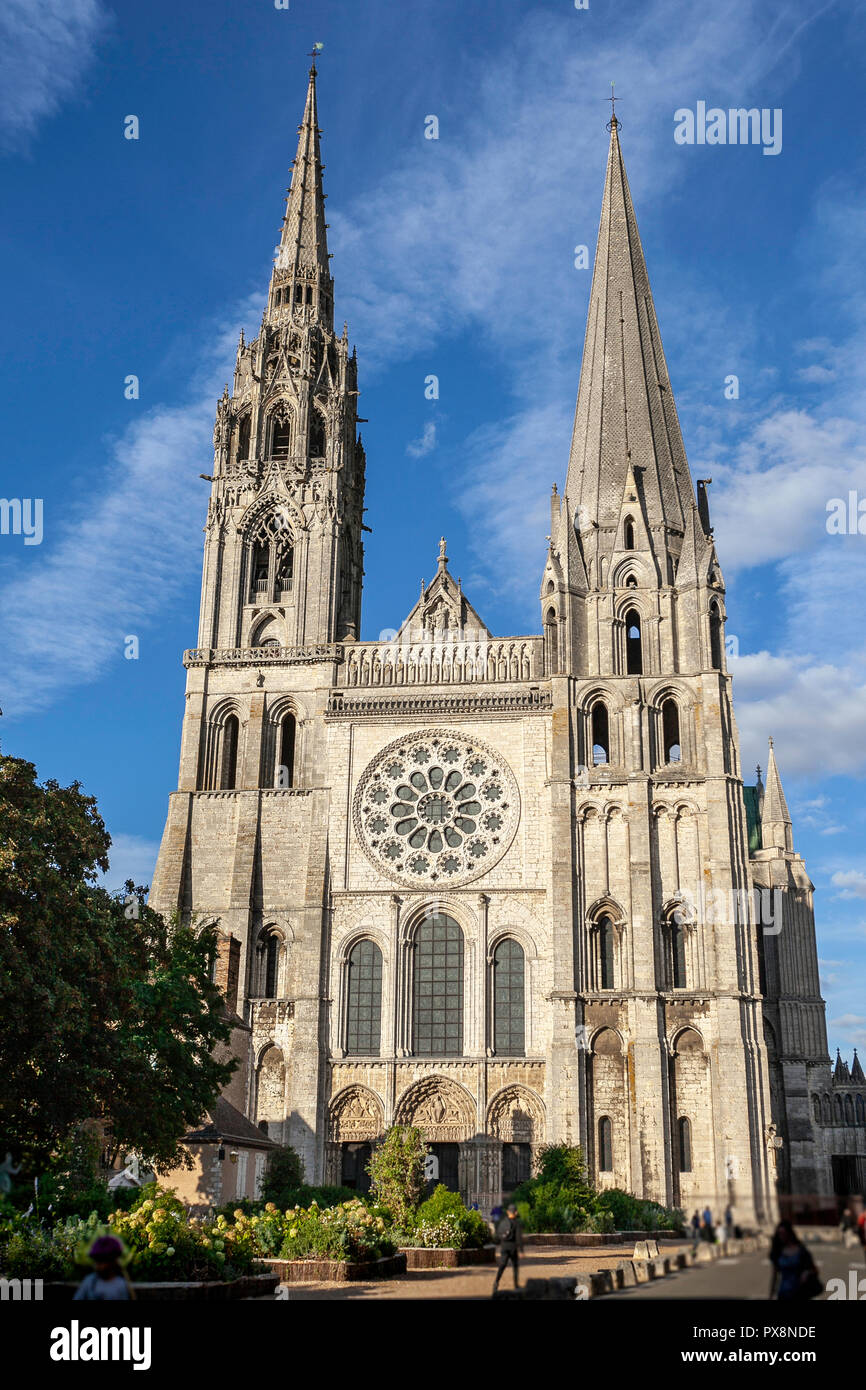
x: 625, y: 407
x: 776, y: 829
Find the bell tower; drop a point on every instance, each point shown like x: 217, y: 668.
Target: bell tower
x: 283, y: 555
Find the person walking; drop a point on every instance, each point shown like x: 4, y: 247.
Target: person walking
x: 509, y: 1233
x: 729, y: 1224
x: 707, y: 1221
x: 696, y: 1229
x: 107, y: 1283
x: 795, y: 1275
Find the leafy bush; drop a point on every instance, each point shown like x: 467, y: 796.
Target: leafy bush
x: 630, y: 1213
x: 283, y: 1176
x: 299, y: 1197
x: 397, y: 1172
x: 561, y: 1197
x: 162, y: 1240
x: 347, y: 1232
x: 444, y: 1221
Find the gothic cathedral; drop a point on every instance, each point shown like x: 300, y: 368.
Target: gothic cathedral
x: 511, y: 890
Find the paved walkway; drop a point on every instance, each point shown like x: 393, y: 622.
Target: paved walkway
x: 476, y: 1281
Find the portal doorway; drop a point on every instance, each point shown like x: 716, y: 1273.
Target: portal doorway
x: 443, y: 1167
x: 353, y: 1166
x: 516, y: 1166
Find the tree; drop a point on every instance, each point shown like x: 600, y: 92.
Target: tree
x: 283, y: 1176
x: 106, y: 1011
x: 397, y: 1172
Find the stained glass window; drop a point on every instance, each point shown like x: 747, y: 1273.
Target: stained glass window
x: 438, y: 989
x: 509, y: 1037
x: 364, y: 1012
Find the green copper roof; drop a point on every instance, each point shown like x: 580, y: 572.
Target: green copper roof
x: 753, y: 818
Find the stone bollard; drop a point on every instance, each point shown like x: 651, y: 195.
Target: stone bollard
x: 625, y: 1269
x: 641, y: 1271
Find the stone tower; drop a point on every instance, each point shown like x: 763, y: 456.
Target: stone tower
x: 498, y: 887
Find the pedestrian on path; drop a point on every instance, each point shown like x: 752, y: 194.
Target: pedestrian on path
x: 707, y: 1225
x: 795, y: 1275
x: 696, y: 1229
x: 509, y: 1233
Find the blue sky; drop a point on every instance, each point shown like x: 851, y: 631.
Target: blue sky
x: 453, y: 257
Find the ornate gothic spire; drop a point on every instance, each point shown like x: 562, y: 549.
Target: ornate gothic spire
x: 775, y: 818
x: 301, y: 279
x: 625, y: 412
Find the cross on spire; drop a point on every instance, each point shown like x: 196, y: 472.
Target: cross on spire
x: 614, y: 120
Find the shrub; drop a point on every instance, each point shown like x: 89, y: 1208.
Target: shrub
x: 283, y: 1176
x: 630, y: 1213
x: 397, y: 1172
x: 444, y: 1221
x: 561, y: 1197
x: 347, y: 1232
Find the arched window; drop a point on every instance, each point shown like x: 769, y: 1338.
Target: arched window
x: 364, y: 1000
x: 600, y: 734
x: 261, y: 556
x: 229, y: 752
x: 551, y: 630
x: 285, y: 570
x: 437, y: 1024
x: 816, y: 1109
x: 243, y: 449
x: 828, y: 1114
x: 605, y: 1145
x: 677, y: 952
x: 628, y: 534
x: 684, y: 1135
x: 285, y: 770
x: 860, y: 1108
x: 605, y: 953
x: 849, y: 1110
x: 671, y: 732
x: 633, y: 652
x: 269, y: 953
x: 509, y: 971
x: 715, y: 637
x: 281, y: 433
x: 837, y: 1110
x: 317, y: 436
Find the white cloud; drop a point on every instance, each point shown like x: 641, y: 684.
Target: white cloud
x: 130, y: 856
x: 782, y: 695
x: 852, y: 882
x: 418, y: 448
x: 851, y: 1028
x: 46, y: 47
x: 113, y: 566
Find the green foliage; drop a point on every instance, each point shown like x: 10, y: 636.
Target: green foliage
x: 106, y: 1011
x: 444, y: 1222
x: 630, y: 1213
x: 562, y: 1198
x: 350, y: 1231
x: 397, y: 1172
x: 299, y: 1197
x: 283, y: 1176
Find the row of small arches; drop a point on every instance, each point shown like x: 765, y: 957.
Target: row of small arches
x: 841, y: 1110
x: 278, y: 433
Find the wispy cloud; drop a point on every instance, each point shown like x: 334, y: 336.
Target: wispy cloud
x: 781, y: 694
x: 425, y: 444
x: 130, y: 856
x: 851, y: 883
x: 46, y: 47
x: 110, y: 569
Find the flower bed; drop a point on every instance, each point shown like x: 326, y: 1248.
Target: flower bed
x: 429, y: 1257
x: 337, y: 1271
x: 189, y: 1290
x: 350, y: 1232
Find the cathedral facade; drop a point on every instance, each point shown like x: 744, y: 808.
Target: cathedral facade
x: 509, y: 889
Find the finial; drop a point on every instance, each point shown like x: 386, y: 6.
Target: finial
x: 613, y: 123
x: 771, y: 740
x: 443, y: 558
x: 554, y: 493
x: 317, y: 50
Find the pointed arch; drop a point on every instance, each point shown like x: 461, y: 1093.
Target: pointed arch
x: 628, y: 534
x: 716, y: 636
x: 634, y: 661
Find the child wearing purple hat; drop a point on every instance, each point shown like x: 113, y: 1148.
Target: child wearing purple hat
x: 107, y: 1282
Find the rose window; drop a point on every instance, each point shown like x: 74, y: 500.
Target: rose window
x: 436, y: 808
